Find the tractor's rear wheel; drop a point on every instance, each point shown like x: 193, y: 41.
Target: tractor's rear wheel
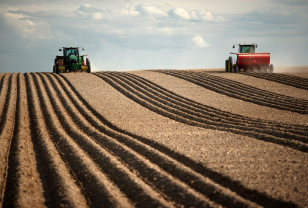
x: 57, y: 68
x: 89, y: 65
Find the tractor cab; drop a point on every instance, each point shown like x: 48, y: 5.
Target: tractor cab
x: 70, y: 55
x: 71, y: 52
x: 246, y: 48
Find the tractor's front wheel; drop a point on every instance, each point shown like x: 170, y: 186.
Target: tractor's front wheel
x: 226, y: 65
x: 230, y: 65
x: 89, y: 65
x: 236, y: 69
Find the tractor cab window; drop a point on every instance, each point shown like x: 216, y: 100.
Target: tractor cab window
x: 71, y: 51
x: 247, y: 49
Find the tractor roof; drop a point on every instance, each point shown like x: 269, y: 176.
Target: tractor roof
x: 248, y: 44
x: 70, y: 47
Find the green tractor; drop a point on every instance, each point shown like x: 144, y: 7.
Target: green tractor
x: 71, y: 61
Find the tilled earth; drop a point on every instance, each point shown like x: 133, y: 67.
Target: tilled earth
x: 159, y: 138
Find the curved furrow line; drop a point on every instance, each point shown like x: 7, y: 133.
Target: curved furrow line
x: 171, y: 187
x: 23, y: 187
x: 187, y: 113
x: 207, y: 110
x: 5, y: 84
x: 242, y: 92
x: 290, y: 80
x: 246, y: 90
x: 171, y: 95
x: 260, y: 93
x: 2, y: 78
x: 190, y: 107
x: 93, y: 166
x: 240, y: 87
x: 59, y: 186
x: 155, y: 176
x: 180, y: 116
x: 131, y: 167
x: 5, y: 93
x: 6, y: 131
x: 184, y: 168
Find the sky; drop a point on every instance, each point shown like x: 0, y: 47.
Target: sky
x: 156, y: 34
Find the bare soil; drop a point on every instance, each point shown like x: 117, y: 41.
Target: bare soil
x: 166, y: 138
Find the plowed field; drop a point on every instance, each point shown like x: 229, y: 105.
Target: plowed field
x: 167, y: 138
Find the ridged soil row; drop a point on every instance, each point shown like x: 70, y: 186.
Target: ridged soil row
x: 7, y: 124
x: 178, y: 112
x: 149, y: 88
x: 81, y: 154
x: 241, y: 91
x: 59, y: 185
x: 175, y: 164
x: 136, y: 156
x: 4, y: 84
x: 23, y: 182
x: 128, y: 170
x: 286, y: 79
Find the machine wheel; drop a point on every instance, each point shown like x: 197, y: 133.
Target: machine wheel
x: 236, y: 69
x: 230, y: 65
x: 57, y: 68
x: 89, y: 65
x: 226, y: 65
x: 271, y: 68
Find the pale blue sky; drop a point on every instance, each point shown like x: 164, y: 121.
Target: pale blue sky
x: 155, y: 34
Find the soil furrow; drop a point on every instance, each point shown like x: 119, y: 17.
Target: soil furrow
x: 242, y: 92
x: 59, y: 185
x: 3, y: 93
x: 262, y: 95
x: 180, y: 116
x: 218, y: 178
x: 243, y: 89
x: 207, y: 110
x: 266, y: 85
x: 95, y: 185
x: 6, y: 102
x: 24, y: 188
x: 6, y: 132
x: 134, y: 161
x: 164, y: 162
x: 219, y: 117
x: 124, y: 179
x: 294, y: 81
x: 3, y: 88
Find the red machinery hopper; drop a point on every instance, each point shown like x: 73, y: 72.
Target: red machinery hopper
x: 249, y: 61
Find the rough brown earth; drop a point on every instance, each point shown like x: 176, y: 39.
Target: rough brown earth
x: 167, y: 138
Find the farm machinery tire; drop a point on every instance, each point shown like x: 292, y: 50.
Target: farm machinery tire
x: 89, y: 65
x: 228, y: 65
